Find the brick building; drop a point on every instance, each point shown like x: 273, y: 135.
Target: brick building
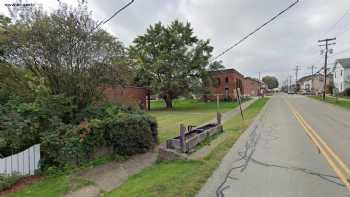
x: 225, y: 83
x: 251, y: 86
x: 129, y: 95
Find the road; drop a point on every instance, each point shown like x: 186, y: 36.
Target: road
x: 297, y: 147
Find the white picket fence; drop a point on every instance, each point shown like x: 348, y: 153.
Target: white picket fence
x: 23, y: 163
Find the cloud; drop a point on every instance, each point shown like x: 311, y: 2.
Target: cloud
x: 289, y: 41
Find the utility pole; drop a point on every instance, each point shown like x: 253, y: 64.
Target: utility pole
x: 259, y: 89
x: 326, y: 41
x: 297, y: 68
x: 312, y: 77
x: 290, y: 82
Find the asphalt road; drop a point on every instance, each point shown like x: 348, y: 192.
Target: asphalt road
x: 297, y: 147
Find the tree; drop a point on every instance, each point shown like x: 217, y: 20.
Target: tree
x: 270, y: 81
x: 66, y: 49
x: 171, y: 61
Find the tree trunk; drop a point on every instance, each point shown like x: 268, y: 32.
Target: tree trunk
x: 169, y: 102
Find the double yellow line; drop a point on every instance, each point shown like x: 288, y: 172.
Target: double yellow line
x: 338, y: 165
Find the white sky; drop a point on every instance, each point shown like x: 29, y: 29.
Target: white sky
x: 289, y: 41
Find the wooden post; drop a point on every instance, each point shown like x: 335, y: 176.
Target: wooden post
x: 240, y: 103
x: 218, y: 117
x: 217, y: 102
x: 182, y: 137
x: 148, y: 100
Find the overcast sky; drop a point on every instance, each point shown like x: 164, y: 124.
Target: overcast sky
x: 275, y: 50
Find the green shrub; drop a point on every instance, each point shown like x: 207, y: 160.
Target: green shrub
x: 8, y: 181
x: 22, y: 124
x: 346, y: 92
x: 126, y: 133
x: 129, y: 134
x: 68, y: 136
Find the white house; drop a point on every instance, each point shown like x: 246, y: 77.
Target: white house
x: 341, y: 76
x: 314, y: 83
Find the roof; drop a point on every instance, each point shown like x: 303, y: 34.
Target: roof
x: 309, y: 77
x: 253, y: 79
x: 345, y: 62
x: 305, y: 78
x: 229, y: 70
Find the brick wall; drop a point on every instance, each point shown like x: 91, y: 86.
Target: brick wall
x: 251, y: 87
x: 225, y: 83
x: 131, y: 96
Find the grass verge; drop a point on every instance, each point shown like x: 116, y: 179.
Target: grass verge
x: 185, y: 178
x: 188, y: 112
x: 62, y: 182
x: 332, y: 100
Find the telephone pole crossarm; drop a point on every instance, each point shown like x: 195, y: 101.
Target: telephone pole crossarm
x: 327, y: 40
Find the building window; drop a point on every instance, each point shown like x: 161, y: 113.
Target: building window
x: 226, y: 80
x: 341, y: 73
x: 226, y: 94
x: 217, y: 82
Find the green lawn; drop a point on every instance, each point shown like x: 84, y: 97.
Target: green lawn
x: 185, y: 178
x: 188, y: 112
x: 332, y: 100
x: 51, y: 186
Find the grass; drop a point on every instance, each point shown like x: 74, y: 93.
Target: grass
x: 185, y: 178
x: 51, y: 186
x: 332, y: 100
x: 58, y: 185
x: 188, y: 112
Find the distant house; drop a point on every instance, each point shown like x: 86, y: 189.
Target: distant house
x: 224, y: 84
x: 341, y: 74
x: 314, y: 83
x: 129, y: 95
x: 252, y: 86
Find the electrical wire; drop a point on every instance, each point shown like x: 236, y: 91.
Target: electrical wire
x: 104, y: 21
x: 338, y: 21
x: 253, y: 32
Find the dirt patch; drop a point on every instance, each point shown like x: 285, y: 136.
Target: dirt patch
x: 21, y: 183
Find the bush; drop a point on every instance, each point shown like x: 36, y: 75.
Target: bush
x: 130, y: 134
x: 346, y: 92
x: 125, y: 132
x: 22, y: 124
x: 8, y: 181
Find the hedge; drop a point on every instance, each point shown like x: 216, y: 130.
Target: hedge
x: 70, y: 137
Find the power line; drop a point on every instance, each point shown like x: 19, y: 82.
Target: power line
x: 257, y: 29
x: 342, y: 51
x: 104, y: 22
x: 338, y: 21
x: 326, y: 41
x: 118, y: 11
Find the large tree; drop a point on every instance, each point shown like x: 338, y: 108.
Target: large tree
x: 270, y: 81
x: 171, y: 60
x: 67, y: 50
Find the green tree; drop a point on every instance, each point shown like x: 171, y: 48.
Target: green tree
x: 270, y: 81
x: 171, y: 61
x: 67, y: 50
x: 4, y: 23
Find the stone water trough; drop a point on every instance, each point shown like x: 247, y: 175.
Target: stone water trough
x: 188, y: 139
